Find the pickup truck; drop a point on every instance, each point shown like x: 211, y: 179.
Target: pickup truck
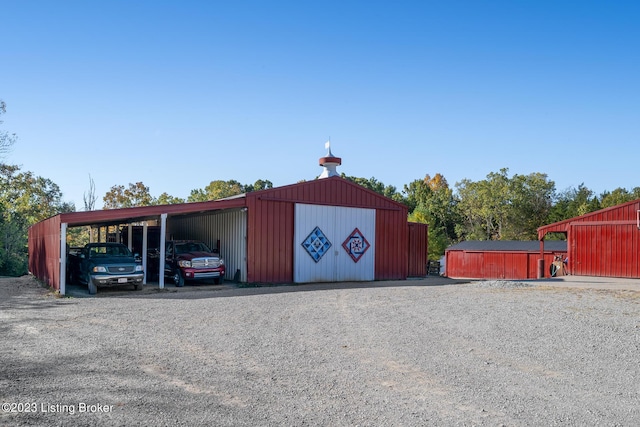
x: 187, y: 260
x: 105, y: 264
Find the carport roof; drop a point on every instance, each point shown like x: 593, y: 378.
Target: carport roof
x: 126, y: 215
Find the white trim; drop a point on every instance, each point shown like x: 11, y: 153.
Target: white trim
x: 63, y: 258
x: 163, y: 240
x: 129, y: 236
x: 144, y: 251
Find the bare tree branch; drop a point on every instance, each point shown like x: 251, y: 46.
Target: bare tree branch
x: 90, y: 198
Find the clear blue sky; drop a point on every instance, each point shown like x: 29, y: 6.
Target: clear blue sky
x: 177, y: 94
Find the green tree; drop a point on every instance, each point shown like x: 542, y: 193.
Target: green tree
x: 573, y: 202
x: 6, y: 139
x: 484, y: 206
x: 258, y: 185
x: 24, y: 200
x: 135, y: 195
x: 373, y: 184
x: 470, y: 207
x: 216, y: 190
x: 431, y: 201
x: 530, y: 201
x: 166, y: 199
x: 503, y: 208
x: 29, y: 197
x: 618, y: 196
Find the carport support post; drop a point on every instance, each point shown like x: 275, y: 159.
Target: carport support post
x: 63, y: 258
x: 144, y: 251
x: 129, y: 236
x: 163, y: 239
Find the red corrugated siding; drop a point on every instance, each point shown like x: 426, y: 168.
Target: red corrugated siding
x: 625, y: 213
x: 608, y: 250
x: 494, y: 264
x: 392, y: 245
x: 44, y: 251
x: 269, y: 241
x: 418, y: 249
x: 270, y: 227
x: 603, y: 243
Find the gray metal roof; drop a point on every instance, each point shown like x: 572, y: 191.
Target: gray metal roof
x: 509, y: 245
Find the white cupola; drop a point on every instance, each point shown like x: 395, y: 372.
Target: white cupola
x: 329, y: 162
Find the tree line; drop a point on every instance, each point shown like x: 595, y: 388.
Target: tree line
x: 499, y: 207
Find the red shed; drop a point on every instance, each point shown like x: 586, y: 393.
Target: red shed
x: 499, y: 259
x: 602, y: 243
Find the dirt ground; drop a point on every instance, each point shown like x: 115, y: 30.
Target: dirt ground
x: 419, y: 352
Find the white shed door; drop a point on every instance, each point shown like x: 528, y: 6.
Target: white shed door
x: 334, y: 244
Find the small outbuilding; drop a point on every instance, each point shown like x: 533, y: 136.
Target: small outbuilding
x: 602, y: 243
x: 500, y: 259
x: 325, y: 230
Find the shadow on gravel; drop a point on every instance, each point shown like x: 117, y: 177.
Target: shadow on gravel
x: 228, y: 289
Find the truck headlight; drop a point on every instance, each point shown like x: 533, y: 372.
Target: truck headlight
x: 184, y: 264
x: 221, y: 261
x: 99, y: 269
x: 138, y: 268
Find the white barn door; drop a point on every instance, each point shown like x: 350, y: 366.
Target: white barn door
x: 334, y: 244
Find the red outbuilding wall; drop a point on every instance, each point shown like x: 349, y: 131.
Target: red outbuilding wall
x: 44, y: 251
x: 511, y: 260
x: 494, y: 265
x: 603, y: 243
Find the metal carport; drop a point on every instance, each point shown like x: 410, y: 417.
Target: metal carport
x: 47, y: 239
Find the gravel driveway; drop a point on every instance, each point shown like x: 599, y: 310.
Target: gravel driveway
x: 381, y: 354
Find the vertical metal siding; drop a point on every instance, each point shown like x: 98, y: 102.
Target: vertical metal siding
x: 228, y: 226
x: 271, y: 213
x: 418, y: 249
x: 336, y: 223
x: 607, y: 250
x: 494, y: 264
x: 44, y: 251
x: 603, y: 243
x: 392, y: 243
x: 269, y: 241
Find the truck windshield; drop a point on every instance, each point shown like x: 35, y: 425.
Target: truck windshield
x: 101, y: 251
x: 184, y: 248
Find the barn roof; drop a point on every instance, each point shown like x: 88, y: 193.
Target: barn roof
x: 625, y: 213
x: 509, y: 246
x: 333, y: 190
x: 124, y: 215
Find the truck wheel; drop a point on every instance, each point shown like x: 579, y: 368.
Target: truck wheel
x: 93, y: 289
x: 178, y: 279
x: 138, y: 286
x: 217, y: 280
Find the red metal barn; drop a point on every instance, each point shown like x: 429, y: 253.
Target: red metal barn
x: 602, y: 243
x: 323, y: 230
x: 496, y: 259
x: 280, y: 219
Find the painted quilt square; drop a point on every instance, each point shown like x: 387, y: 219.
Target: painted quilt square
x: 356, y: 245
x: 316, y: 244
